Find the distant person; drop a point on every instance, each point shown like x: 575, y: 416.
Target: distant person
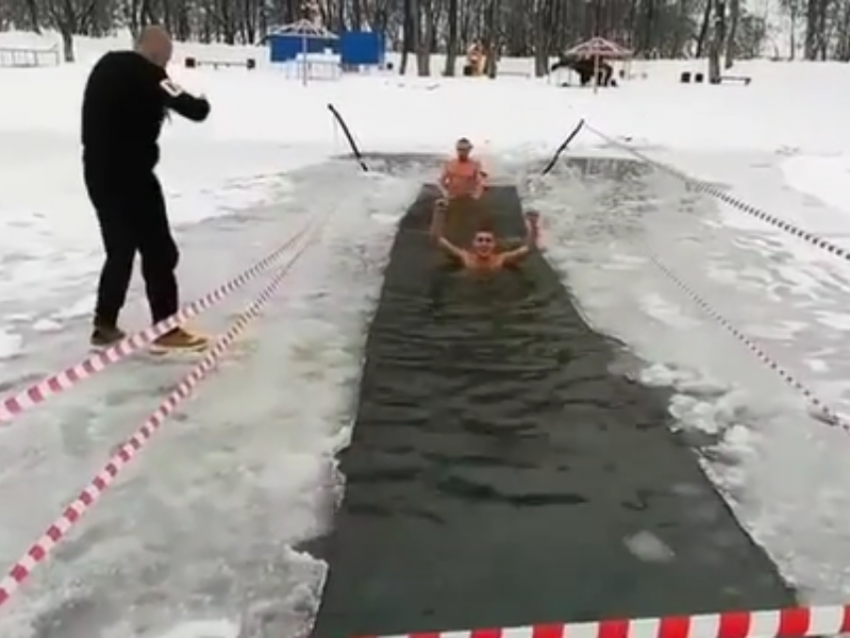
x: 475, y: 59
x: 127, y: 97
x: 483, y: 254
x: 463, y: 176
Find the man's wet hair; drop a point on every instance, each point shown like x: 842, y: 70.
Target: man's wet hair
x: 486, y: 226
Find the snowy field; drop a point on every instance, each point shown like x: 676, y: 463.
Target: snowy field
x: 246, y: 470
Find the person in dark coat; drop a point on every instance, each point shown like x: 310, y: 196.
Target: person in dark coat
x: 127, y: 97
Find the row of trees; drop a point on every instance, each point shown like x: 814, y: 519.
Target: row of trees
x: 540, y: 28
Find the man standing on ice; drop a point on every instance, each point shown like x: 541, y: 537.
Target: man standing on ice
x: 126, y: 99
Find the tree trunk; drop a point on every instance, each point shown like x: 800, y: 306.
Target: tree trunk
x: 681, y: 34
x: 541, y: 41
x: 734, y: 14
x: 424, y: 31
x: 494, y: 44
x: 703, y: 31
x: 34, y: 15
x: 812, y: 24
x: 356, y: 15
x: 407, y: 38
x: 821, y: 37
x: 451, y: 42
x: 844, y: 35
x: 792, y: 37
x: 67, y: 42
x: 717, y: 39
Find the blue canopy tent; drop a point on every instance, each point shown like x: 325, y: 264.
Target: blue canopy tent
x: 362, y: 48
x: 300, y: 38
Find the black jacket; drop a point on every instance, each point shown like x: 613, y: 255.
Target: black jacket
x: 125, y: 102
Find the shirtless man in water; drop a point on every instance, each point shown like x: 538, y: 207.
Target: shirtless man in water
x: 482, y: 256
x: 462, y: 176
x: 462, y: 183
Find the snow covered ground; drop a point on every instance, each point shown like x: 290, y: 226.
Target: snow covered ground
x: 241, y: 183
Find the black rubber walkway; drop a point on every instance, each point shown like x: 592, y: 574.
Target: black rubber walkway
x: 500, y: 475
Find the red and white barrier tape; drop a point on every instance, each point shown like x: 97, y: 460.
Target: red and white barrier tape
x: 14, y: 405
x: 86, y: 499
x: 776, y: 623
x: 819, y: 409
x: 711, y: 189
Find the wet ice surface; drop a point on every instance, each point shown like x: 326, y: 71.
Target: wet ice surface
x: 160, y: 557
x: 784, y: 473
x: 197, y: 537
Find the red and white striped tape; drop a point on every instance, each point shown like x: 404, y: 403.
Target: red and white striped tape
x: 706, y: 187
x: 776, y: 623
x: 16, y: 404
x: 819, y: 409
x: 41, y: 549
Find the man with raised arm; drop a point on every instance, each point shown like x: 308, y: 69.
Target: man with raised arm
x: 482, y: 254
x: 127, y: 97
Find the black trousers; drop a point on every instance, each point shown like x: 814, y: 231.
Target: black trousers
x: 132, y: 216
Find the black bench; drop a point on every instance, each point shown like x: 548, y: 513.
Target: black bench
x: 193, y: 63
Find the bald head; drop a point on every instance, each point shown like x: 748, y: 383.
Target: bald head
x: 155, y: 44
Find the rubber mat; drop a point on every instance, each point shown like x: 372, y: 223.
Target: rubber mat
x: 500, y: 474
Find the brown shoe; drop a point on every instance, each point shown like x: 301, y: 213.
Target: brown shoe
x: 180, y: 340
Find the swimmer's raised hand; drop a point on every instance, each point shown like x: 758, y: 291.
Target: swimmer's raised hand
x: 532, y: 220
x: 438, y: 218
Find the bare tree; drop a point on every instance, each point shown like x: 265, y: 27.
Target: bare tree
x: 793, y: 8
x: 538, y: 28
x: 717, y: 39
x: 70, y: 17
x: 734, y: 16
x: 451, y: 40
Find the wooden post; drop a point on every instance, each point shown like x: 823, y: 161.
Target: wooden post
x: 595, y: 73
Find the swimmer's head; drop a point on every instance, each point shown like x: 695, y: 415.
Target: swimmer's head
x: 484, y: 243
x: 463, y: 147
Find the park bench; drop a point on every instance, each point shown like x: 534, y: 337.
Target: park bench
x: 194, y: 63
x: 21, y: 57
x: 739, y: 79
